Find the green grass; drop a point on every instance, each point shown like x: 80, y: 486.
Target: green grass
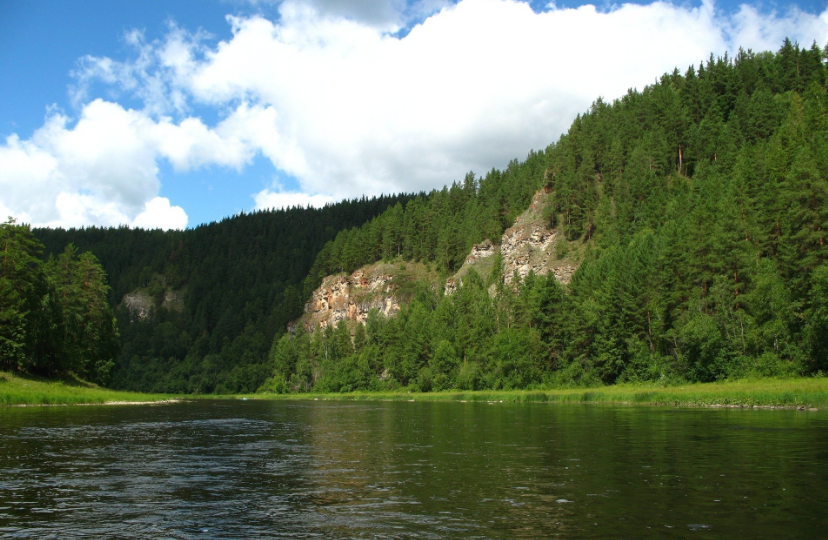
x: 799, y: 392
x: 18, y: 390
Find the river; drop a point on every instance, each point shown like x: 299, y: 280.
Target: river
x: 317, y: 469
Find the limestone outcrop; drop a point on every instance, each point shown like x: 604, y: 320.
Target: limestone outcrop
x: 351, y: 298
x: 528, y: 246
x: 481, y: 251
x: 141, y: 303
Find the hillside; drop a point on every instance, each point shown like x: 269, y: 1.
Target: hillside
x: 197, y: 309
x: 528, y: 246
x: 695, y: 208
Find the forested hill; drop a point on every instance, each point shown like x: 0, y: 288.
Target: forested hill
x: 235, y: 284
x: 700, y: 205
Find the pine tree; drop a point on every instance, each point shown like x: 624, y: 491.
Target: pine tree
x: 22, y: 290
x: 89, y: 329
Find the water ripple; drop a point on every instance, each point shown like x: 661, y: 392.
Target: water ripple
x: 408, y: 470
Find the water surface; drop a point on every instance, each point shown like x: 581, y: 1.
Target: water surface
x: 258, y: 469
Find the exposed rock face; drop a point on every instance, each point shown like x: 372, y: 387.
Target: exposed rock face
x: 524, y: 251
x: 528, y: 246
x: 481, y: 251
x: 563, y: 272
x: 139, y: 304
x: 350, y: 298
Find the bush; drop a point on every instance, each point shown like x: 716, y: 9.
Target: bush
x: 469, y: 377
x: 273, y: 385
x: 441, y: 382
x: 425, y: 380
x: 706, y: 349
x: 770, y: 365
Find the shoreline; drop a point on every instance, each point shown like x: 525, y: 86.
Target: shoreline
x: 689, y: 405
x: 802, y: 394
x: 678, y: 405
x: 96, y: 403
x: 22, y: 390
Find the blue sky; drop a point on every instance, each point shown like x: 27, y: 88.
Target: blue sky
x: 170, y: 114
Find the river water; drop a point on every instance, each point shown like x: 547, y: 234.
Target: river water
x: 315, y: 469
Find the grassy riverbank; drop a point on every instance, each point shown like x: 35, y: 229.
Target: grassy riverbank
x: 18, y: 390
x: 799, y: 392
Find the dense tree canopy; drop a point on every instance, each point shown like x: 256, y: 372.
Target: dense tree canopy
x: 54, y: 317
x: 237, y: 282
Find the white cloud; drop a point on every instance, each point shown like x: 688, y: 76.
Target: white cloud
x: 267, y: 199
x: 761, y: 32
x: 331, y: 97
x: 158, y: 214
x: 468, y: 89
x: 384, y: 15
x: 104, y: 169
x: 76, y: 210
x: 156, y: 75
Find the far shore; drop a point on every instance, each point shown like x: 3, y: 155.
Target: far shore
x: 798, y: 393
x: 804, y: 394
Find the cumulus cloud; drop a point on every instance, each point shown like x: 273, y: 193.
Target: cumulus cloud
x: 381, y: 14
x: 469, y: 88
x: 153, y: 75
x: 765, y: 33
x: 384, y: 15
x: 159, y: 214
x: 332, y: 94
x: 103, y: 169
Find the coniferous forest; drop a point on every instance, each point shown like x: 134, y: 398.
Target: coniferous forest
x: 54, y: 316
x: 235, y: 285
x: 698, y: 207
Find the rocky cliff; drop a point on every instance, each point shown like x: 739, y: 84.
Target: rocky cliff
x: 350, y: 298
x: 379, y: 286
x: 528, y: 246
x: 531, y: 246
x: 142, y: 302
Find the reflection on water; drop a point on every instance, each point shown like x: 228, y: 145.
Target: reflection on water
x: 229, y: 469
